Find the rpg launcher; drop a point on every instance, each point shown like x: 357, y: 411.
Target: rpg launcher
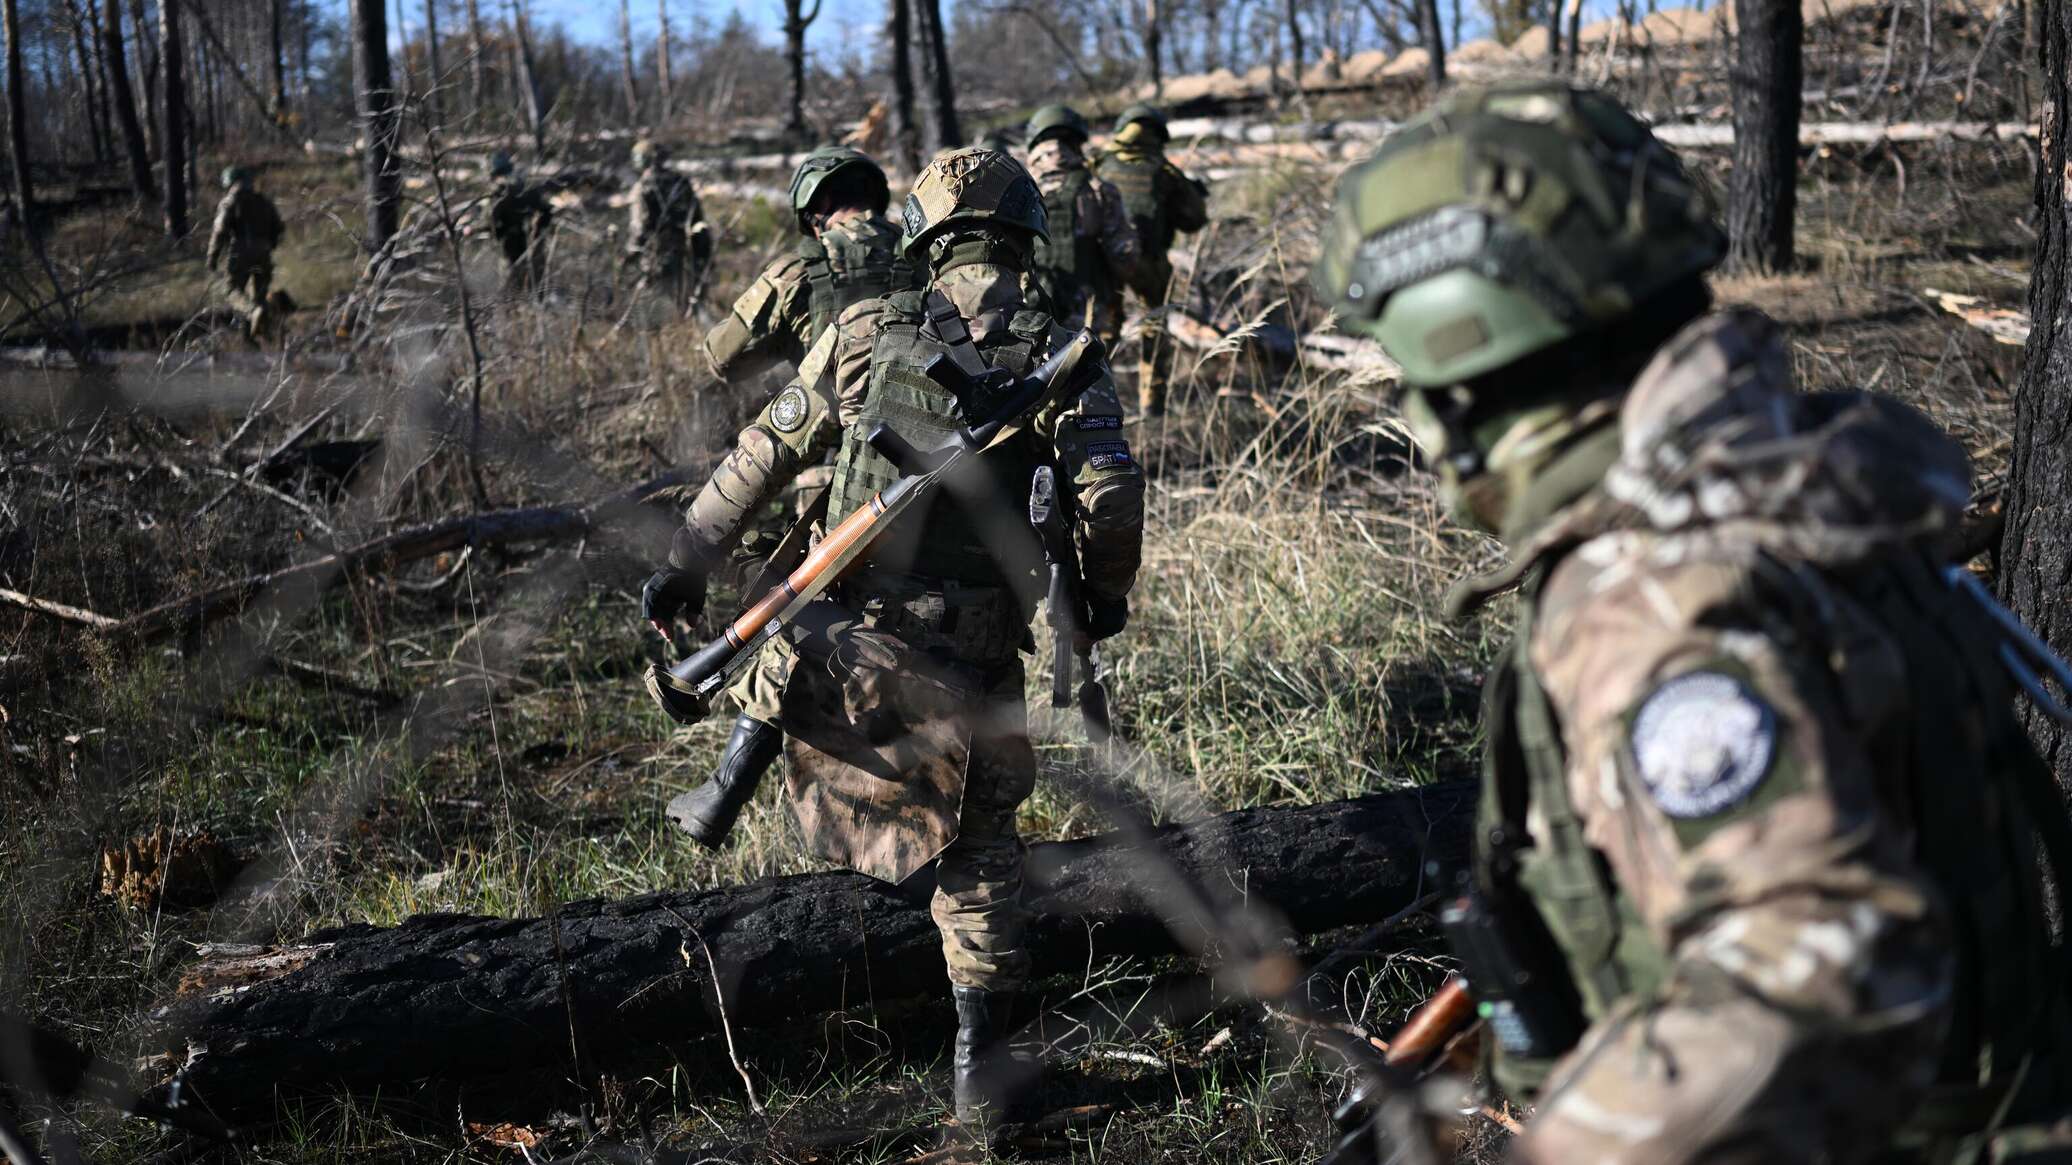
x: 1050, y: 513
x: 1002, y: 405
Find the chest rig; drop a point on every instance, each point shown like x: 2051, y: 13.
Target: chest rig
x: 857, y: 261
x: 947, y: 540
x: 1068, y: 265
x: 1137, y: 176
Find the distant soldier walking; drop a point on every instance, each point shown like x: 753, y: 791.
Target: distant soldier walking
x: 519, y: 217
x: 1163, y: 202
x: 241, y: 245
x: 667, y: 237
x: 1093, y: 249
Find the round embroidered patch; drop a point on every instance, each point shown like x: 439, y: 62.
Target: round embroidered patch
x: 788, y: 411
x: 1702, y: 743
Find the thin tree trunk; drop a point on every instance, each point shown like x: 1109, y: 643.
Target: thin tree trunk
x: 1433, y: 37
x: 1296, y: 49
x: 478, y: 55
x: 626, y: 76
x: 147, y: 52
x: 17, y: 111
x: 796, y: 21
x: 906, y: 134
x: 125, y: 101
x: 91, y: 92
x: 665, y: 85
x: 1152, y: 58
x: 942, y: 84
x: 528, y: 82
x: 277, y: 56
x: 435, y: 74
x: 376, y: 101
x: 172, y: 103
x: 1212, y: 35
x: 2036, y: 550
x: 1762, y: 193
x: 1553, y: 27
x: 1572, y: 43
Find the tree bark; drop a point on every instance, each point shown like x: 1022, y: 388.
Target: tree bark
x: 2036, y: 550
x: 435, y: 75
x: 1297, y: 51
x: 1553, y: 27
x: 665, y: 84
x: 626, y: 77
x: 1762, y: 193
x: 1433, y: 37
x: 17, y: 112
x: 528, y: 82
x: 147, y: 53
x: 1153, y: 58
x: 172, y: 138
x: 96, y: 119
x: 797, y: 19
x: 375, y: 95
x: 478, y: 55
x: 450, y: 998
x: 125, y: 102
x: 277, y: 57
x: 941, y: 82
x: 1572, y: 39
x: 906, y: 134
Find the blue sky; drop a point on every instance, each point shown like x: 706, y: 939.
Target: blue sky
x: 598, y: 20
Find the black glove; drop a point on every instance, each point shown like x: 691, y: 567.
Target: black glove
x: 671, y: 592
x: 1105, y: 617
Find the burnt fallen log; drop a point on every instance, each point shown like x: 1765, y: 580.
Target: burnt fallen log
x: 454, y: 998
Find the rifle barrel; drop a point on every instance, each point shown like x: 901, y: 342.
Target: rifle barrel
x: 1435, y: 1021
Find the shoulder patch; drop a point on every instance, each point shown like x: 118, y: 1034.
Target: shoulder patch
x: 1108, y: 454
x: 1089, y: 424
x: 1702, y: 743
x: 788, y: 411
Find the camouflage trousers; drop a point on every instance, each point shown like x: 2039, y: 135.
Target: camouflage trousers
x: 1154, y: 346
x: 978, y: 879
x: 759, y: 689
x: 248, y: 283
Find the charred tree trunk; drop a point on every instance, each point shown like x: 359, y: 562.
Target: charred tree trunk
x: 454, y: 998
x: 942, y: 84
x: 376, y: 99
x: 1762, y: 194
x: 478, y: 56
x: 665, y: 84
x: 899, y: 39
x: 627, y: 79
x: 1572, y: 39
x: 1153, y: 58
x: 17, y: 112
x: 1433, y: 37
x: 435, y: 74
x: 1297, y: 51
x: 1211, y: 35
x: 528, y: 82
x: 1553, y: 27
x: 125, y: 102
x: 172, y: 103
x: 2036, y: 550
x: 797, y: 19
x: 147, y: 52
x: 277, y: 58
x: 96, y: 114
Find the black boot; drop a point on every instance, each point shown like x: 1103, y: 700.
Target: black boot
x: 707, y: 812
x: 989, y: 1086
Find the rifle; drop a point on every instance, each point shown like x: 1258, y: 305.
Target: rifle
x: 685, y: 691
x: 1050, y: 513
x: 1365, y: 1117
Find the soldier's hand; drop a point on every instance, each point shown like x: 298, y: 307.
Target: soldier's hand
x: 1106, y: 617
x: 672, y: 592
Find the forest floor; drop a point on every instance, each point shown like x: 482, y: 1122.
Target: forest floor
x: 1286, y: 648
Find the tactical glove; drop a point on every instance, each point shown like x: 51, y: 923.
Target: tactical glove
x: 1106, y: 617
x: 671, y: 592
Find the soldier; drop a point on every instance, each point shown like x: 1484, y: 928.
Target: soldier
x: 666, y: 235
x: 1757, y: 815
x: 247, y: 230
x: 1094, y: 254
x: 918, y: 727
x: 520, y: 217
x: 1162, y: 201
x: 848, y: 252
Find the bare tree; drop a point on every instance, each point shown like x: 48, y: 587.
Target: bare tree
x: 1554, y: 35
x: 376, y: 101
x: 1296, y: 49
x: 1433, y: 38
x: 173, y: 138
x: 478, y: 54
x: 942, y: 85
x: 96, y: 121
x: 528, y: 81
x: 797, y: 18
x: 147, y: 48
x: 665, y: 88
x: 435, y: 75
x: 1572, y: 40
x: 626, y: 77
x: 1152, y: 46
x: 906, y: 135
x: 277, y: 56
x: 125, y: 101
x: 1762, y: 193
x: 2036, y: 550
x: 17, y: 111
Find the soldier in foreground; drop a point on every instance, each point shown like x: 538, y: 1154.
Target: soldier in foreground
x: 666, y: 234
x: 911, y: 740
x: 1093, y: 249
x: 849, y: 252
x: 519, y: 217
x: 241, y: 245
x: 1162, y: 202
x: 1757, y: 815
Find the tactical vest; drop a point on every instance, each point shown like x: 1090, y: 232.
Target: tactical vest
x: 1975, y: 788
x: 1138, y: 178
x: 943, y: 542
x: 863, y: 264
x: 1068, y: 267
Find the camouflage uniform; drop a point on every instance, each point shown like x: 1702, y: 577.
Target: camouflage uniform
x: 1083, y: 275
x: 666, y: 232
x: 1752, y: 785
x: 247, y: 230
x: 1162, y: 201
x: 777, y: 319
x: 520, y: 217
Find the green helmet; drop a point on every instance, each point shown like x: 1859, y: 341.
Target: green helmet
x: 822, y: 165
x: 648, y: 153
x: 1057, y: 121
x: 500, y: 165
x: 972, y: 185
x: 232, y: 175
x: 1147, y: 113
x: 1507, y: 220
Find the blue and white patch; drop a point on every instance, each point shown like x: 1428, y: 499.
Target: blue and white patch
x: 788, y: 411
x: 1091, y: 424
x: 1108, y: 454
x: 1702, y: 743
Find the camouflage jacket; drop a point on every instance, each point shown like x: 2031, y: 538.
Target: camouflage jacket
x: 809, y: 419
x: 1758, y: 874
x: 666, y: 218
x: 519, y: 216
x: 772, y: 322
x: 1100, y: 225
x: 1158, y: 197
x: 248, y: 228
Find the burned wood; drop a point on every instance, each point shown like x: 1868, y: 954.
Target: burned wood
x: 447, y: 998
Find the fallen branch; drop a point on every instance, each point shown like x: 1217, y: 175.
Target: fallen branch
x: 55, y: 610
x: 451, y: 998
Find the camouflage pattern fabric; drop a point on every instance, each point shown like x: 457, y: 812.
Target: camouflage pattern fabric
x: 771, y: 323
x: 1729, y: 729
x: 246, y: 231
x: 1101, y: 227
x: 520, y: 217
x: 666, y: 232
x: 1161, y: 201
